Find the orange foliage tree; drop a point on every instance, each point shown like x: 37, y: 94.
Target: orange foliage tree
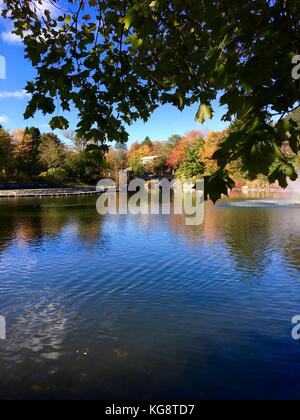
x: 211, y: 145
x: 135, y: 153
x: 179, y: 153
x: 145, y: 150
x: 140, y: 150
x: 22, y: 151
x: 23, y: 143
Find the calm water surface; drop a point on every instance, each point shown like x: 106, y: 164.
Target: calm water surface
x: 145, y: 307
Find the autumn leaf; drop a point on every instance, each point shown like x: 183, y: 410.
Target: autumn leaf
x: 204, y: 112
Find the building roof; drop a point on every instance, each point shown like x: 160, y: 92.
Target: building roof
x: 149, y: 158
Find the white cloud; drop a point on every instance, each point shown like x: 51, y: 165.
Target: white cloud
x: 43, y: 5
x: 17, y: 94
x: 39, y: 6
x: 3, y: 119
x: 11, y: 38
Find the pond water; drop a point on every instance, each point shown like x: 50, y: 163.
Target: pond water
x: 142, y: 307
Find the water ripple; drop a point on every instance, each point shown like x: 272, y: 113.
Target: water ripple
x: 125, y: 306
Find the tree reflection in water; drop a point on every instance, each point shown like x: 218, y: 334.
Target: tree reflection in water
x: 249, y: 234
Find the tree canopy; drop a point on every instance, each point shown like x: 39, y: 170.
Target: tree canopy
x: 117, y: 60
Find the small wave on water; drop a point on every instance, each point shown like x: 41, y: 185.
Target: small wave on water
x: 261, y: 204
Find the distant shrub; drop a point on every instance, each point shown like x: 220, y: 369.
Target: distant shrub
x: 54, y: 175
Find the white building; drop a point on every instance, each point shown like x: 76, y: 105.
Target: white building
x: 149, y: 159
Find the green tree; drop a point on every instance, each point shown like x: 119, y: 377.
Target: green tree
x: 6, y: 160
x: 147, y: 142
x: 52, y: 151
x: 192, y: 166
x: 120, y: 60
x: 137, y: 167
x: 35, y: 135
x: 83, y: 167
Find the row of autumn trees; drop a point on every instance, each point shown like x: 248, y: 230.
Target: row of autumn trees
x: 187, y: 157
x: 29, y: 155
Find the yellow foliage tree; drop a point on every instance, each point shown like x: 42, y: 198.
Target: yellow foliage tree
x: 210, y: 146
x: 22, y: 143
x: 22, y: 150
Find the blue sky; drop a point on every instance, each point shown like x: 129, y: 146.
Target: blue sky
x: 165, y: 121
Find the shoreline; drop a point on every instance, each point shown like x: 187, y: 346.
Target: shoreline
x: 85, y: 191
x: 258, y: 190
x: 48, y: 192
